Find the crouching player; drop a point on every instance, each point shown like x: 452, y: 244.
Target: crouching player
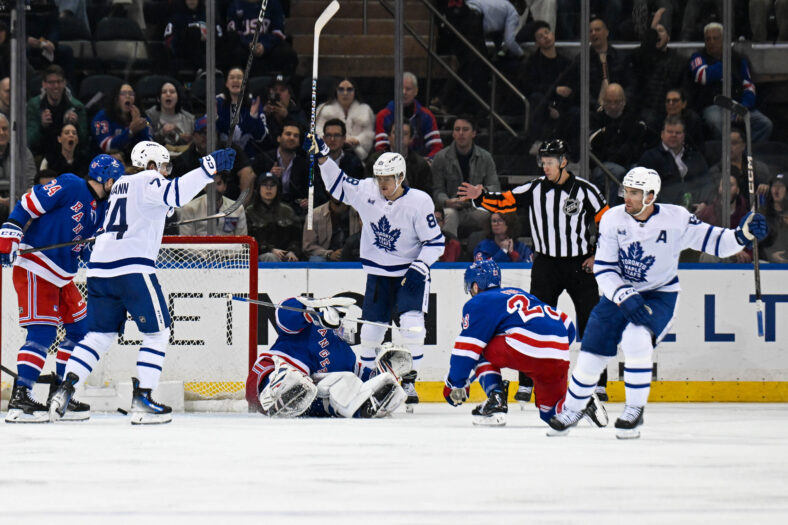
x: 311, y: 370
x: 510, y: 328
x: 636, y: 267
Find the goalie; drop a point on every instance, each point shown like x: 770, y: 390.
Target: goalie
x: 310, y: 370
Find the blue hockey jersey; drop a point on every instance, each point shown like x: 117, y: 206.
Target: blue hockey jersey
x: 62, y: 210
x: 530, y: 327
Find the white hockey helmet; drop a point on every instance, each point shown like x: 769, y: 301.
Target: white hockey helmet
x: 146, y: 152
x: 389, y: 164
x: 645, y: 179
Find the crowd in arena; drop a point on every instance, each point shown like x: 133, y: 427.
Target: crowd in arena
x: 651, y: 106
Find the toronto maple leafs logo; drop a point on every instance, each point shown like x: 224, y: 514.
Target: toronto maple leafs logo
x: 634, y: 266
x: 385, y: 237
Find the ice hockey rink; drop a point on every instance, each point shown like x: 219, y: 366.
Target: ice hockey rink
x: 695, y: 463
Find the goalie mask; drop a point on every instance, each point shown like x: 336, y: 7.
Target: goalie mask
x: 644, y: 179
x: 146, y: 152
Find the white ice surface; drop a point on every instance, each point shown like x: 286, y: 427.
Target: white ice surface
x: 695, y: 463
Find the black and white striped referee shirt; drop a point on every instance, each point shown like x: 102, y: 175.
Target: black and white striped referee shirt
x: 560, y: 215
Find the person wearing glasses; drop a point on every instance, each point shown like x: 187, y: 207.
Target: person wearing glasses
x: 676, y: 105
x: 359, y: 119
x: 121, y: 124
x: 335, y: 137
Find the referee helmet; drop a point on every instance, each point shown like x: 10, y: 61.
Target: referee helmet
x: 552, y: 148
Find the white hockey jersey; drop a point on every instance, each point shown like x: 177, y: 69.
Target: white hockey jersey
x: 394, y: 233
x: 645, y: 254
x: 134, y: 223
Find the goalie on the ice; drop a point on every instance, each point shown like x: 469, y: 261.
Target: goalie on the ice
x: 310, y: 370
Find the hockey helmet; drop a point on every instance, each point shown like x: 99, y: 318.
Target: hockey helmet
x: 485, y: 273
x: 552, y: 148
x: 105, y: 167
x: 645, y: 179
x: 389, y: 164
x: 146, y: 152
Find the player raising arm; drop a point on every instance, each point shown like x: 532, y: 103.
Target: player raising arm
x: 122, y: 274
x: 636, y: 267
x: 400, y: 238
x: 65, y: 209
x: 510, y: 328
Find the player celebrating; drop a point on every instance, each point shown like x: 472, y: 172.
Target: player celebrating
x: 636, y: 268
x: 400, y: 237
x: 122, y: 274
x: 311, y: 370
x: 510, y: 328
x: 67, y: 208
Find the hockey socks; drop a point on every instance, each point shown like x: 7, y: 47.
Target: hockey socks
x: 75, y: 332
x: 87, y: 353
x: 151, y: 358
x: 636, y: 343
x: 33, y: 354
x: 584, y: 379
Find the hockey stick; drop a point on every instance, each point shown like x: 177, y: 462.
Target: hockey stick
x: 58, y: 245
x: 46, y: 379
x: 294, y: 309
x: 321, y: 22
x: 742, y: 111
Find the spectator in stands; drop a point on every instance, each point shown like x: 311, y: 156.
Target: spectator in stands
x: 463, y: 161
x: 43, y: 35
x: 739, y: 168
x: 759, y: 16
x: 185, y: 35
x: 684, y: 172
x: 272, y: 52
x: 5, y: 96
x: 5, y: 57
x: 233, y: 224
x: 699, y: 12
x: 775, y: 246
x: 452, y: 252
x: 50, y: 110
x: 252, y: 127
x: 568, y: 24
x: 290, y: 164
x: 426, y: 136
x: 68, y: 157
x: 172, y: 126
x: 502, y: 245
x: 676, y: 105
x: 658, y: 68
x: 280, y: 107
x: 334, y: 133
x: 500, y: 17
x: 120, y: 125
x: 711, y: 213
x: 418, y: 172
x: 334, y: 223
x: 241, y: 176
x: 607, y: 64
x: 24, y: 175
x: 273, y: 223
x: 706, y: 69
x: 618, y: 139
x: 547, y: 82
x: 74, y: 9
x: 347, y: 106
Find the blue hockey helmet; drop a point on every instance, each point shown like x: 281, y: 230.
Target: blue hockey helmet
x: 485, y: 273
x: 104, y: 167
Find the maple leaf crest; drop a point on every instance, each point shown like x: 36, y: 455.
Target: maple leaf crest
x: 385, y: 237
x: 634, y: 266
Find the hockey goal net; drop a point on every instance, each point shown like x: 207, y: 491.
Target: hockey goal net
x: 213, y: 339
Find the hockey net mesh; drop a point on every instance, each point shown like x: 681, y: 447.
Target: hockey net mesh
x: 211, y: 336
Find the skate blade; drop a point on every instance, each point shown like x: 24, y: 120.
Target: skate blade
x: 551, y: 432
x: 75, y: 416
x: 628, y: 433
x: 17, y: 415
x: 494, y: 420
x: 146, y: 418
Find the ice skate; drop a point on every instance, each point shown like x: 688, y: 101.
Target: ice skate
x: 76, y: 410
x: 409, y: 386
x: 596, y: 413
x: 60, y: 399
x: 561, y: 423
x: 601, y: 393
x: 23, y: 407
x: 629, y: 421
x: 523, y: 396
x: 146, y: 411
x: 492, y: 412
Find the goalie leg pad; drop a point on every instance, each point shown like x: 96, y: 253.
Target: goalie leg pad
x: 385, y: 396
x: 344, y: 392
x: 394, y: 359
x: 289, y: 391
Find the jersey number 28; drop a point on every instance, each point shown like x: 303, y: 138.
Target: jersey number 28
x: 117, y: 218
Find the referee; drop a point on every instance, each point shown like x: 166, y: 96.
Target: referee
x: 562, y: 209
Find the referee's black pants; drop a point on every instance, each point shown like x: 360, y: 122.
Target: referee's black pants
x: 551, y: 276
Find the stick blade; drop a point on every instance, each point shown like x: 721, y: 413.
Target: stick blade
x: 327, y: 14
x: 730, y: 104
x: 759, y: 315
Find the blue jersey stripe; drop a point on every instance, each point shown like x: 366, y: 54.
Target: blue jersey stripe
x: 605, y: 263
x: 717, y: 245
x: 177, y: 193
x: 706, y: 239
x: 166, y: 192
x: 435, y: 244
x: 391, y: 268
x: 120, y: 263
x: 336, y: 182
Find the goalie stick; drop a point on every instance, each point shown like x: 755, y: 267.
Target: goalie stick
x: 294, y: 309
x: 741, y: 110
x: 328, y: 13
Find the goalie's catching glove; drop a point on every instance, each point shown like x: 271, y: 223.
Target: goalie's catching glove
x: 315, y: 146
x: 328, y: 311
x: 752, y: 226
x: 10, y: 235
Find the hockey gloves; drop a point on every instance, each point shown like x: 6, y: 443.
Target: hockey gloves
x: 455, y: 396
x: 633, y: 306
x: 315, y: 146
x: 329, y: 311
x: 10, y: 235
x: 752, y: 226
x: 218, y: 161
x: 415, y: 277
